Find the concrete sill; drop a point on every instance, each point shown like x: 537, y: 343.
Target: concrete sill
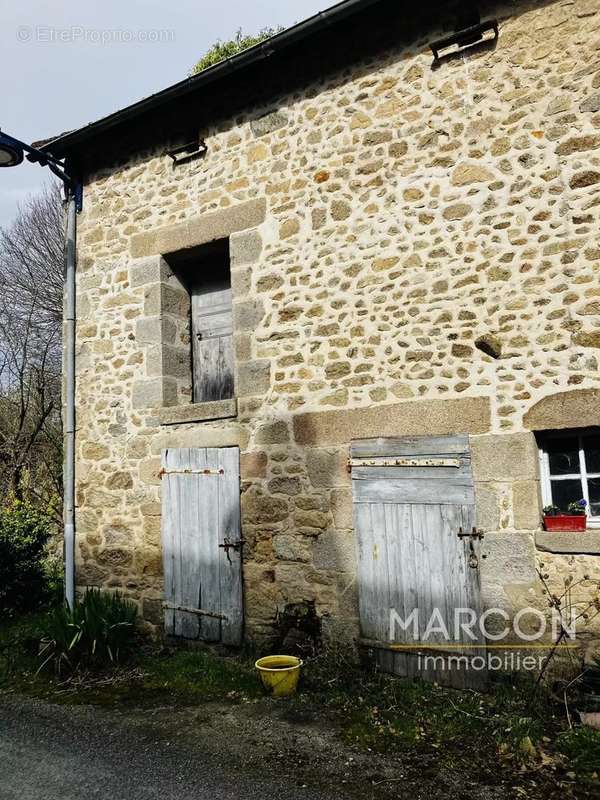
x: 582, y: 543
x: 198, y: 412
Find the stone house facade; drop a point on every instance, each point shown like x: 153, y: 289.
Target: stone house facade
x: 413, y: 250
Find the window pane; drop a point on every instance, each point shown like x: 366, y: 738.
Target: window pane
x: 591, y: 446
x: 565, y: 492
x: 594, y: 490
x: 563, y: 456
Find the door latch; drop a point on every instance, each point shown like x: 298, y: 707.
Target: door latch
x: 228, y: 545
x: 475, y: 534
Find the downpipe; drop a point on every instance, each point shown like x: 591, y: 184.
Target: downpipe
x: 69, y: 371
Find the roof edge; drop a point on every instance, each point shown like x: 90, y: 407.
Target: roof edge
x: 61, y: 146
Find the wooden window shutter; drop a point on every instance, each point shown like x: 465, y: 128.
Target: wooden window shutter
x: 212, y: 342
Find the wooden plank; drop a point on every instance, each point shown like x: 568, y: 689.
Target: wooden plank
x: 207, y: 533
x: 188, y: 625
x: 438, y: 473
x: 168, y: 544
x: 435, y: 446
x: 230, y: 570
x: 384, y: 490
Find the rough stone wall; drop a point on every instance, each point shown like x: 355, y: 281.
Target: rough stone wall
x: 413, y: 251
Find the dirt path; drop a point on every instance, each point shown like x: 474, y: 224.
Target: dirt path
x: 254, y: 750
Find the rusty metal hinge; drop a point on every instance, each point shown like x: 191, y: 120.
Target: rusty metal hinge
x: 165, y: 471
x: 402, y: 462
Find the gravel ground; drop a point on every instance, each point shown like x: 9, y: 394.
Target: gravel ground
x: 51, y: 752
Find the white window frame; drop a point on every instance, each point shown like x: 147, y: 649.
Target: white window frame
x: 582, y: 475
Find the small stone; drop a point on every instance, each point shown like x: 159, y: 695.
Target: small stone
x: 558, y: 106
x: 412, y: 195
x: 259, y: 509
x: 322, y: 176
x: 578, y: 144
x: 587, y: 339
x: 457, y: 211
x: 253, y: 465
x: 94, y: 451
x: 340, y: 210
x: 489, y: 344
x: 119, y: 480
x: 337, y: 369
x: 376, y: 137
x: 318, y: 217
x: 583, y: 179
x: 465, y: 174
x: 257, y: 152
x: 461, y: 350
x: 398, y: 149
x: 284, y: 485
x: 359, y: 120
x: 288, y: 228
x: 273, y: 433
x: 383, y: 264
x: 591, y: 103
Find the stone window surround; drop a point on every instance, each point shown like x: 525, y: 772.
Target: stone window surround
x: 163, y: 329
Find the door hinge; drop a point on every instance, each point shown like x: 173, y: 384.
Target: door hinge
x: 198, y: 611
x: 402, y: 462
x: 165, y: 471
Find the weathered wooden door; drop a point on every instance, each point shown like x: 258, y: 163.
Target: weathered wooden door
x: 212, y: 341
x: 202, y: 544
x: 418, y: 554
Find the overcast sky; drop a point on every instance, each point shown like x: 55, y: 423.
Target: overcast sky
x: 64, y: 63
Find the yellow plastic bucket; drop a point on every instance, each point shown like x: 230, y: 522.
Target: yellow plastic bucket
x: 279, y: 674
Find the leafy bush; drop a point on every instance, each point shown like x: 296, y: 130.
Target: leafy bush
x: 24, y: 533
x: 98, y: 631
x: 222, y: 50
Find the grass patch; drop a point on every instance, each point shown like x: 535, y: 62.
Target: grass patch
x: 151, y: 677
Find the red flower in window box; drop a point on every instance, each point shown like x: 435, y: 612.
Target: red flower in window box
x: 574, y: 520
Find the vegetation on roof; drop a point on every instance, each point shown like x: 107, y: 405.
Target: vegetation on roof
x: 222, y: 50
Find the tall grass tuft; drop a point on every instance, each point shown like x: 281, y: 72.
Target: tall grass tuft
x: 100, y: 630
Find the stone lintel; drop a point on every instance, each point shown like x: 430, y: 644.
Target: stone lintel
x: 199, y: 230
x: 413, y: 418
x: 198, y: 412
x: 577, y: 408
x: 558, y: 542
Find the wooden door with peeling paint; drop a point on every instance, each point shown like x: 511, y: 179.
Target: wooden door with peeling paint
x: 201, y: 537
x: 418, y: 554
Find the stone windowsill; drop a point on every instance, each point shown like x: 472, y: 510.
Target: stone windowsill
x: 586, y: 542
x: 198, y: 412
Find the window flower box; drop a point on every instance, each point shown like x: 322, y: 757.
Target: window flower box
x: 574, y: 519
x: 565, y: 522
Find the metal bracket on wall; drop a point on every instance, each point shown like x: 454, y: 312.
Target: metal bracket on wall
x: 188, y: 152
x: 465, y: 38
